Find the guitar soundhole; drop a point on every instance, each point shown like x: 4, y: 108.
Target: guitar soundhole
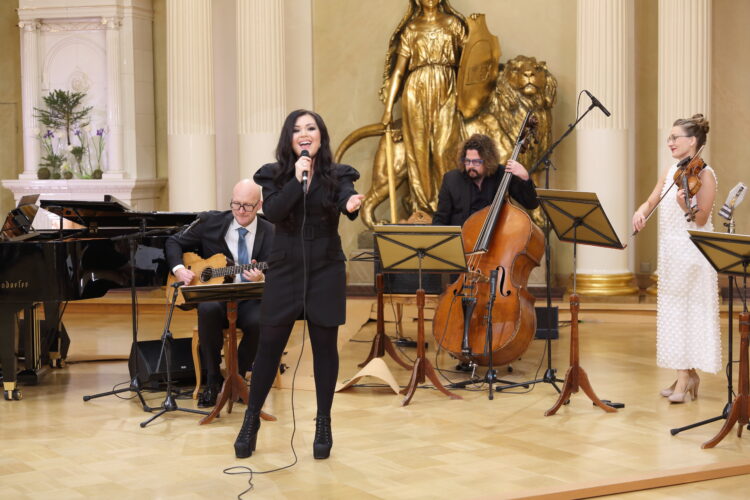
x: 207, y: 274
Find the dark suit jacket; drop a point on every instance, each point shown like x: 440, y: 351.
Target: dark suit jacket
x: 207, y: 239
x: 454, y: 199
x: 316, y: 248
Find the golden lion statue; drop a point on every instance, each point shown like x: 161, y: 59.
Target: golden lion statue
x: 523, y: 84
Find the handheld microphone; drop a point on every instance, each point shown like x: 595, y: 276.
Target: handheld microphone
x: 736, y: 195
x: 306, y: 154
x: 596, y: 103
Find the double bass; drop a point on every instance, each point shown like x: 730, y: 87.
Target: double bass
x: 499, y: 237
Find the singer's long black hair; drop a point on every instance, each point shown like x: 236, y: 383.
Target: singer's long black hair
x: 286, y: 158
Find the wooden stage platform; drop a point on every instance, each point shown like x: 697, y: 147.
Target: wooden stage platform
x: 53, y: 445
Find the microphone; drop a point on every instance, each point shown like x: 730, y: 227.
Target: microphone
x: 493, y: 282
x: 736, y: 195
x: 304, y: 153
x: 177, y: 284
x: 595, y: 102
x: 200, y: 218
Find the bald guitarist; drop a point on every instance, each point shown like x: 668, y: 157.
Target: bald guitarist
x: 243, y: 238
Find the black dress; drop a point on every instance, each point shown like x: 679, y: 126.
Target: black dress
x: 324, y: 259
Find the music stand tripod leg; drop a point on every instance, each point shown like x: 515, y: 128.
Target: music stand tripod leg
x: 576, y: 377
x: 381, y: 344
x: 235, y: 387
x: 740, y: 412
x: 422, y: 366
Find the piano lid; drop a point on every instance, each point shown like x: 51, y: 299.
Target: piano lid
x: 17, y: 225
x: 112, y: 213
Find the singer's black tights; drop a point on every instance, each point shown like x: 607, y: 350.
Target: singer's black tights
x: 273, y: 339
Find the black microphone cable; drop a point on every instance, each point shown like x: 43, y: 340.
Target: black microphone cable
x: 244, y: 469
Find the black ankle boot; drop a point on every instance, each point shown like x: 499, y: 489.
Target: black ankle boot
x: 244, y: 445
x: 323, y: 437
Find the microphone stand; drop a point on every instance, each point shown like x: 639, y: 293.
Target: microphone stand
x: 135, y: 384
x: 550, y: 375
x: 170, y: 403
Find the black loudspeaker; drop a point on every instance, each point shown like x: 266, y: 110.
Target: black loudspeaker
x: 151, y: 371
x: 545, y: 330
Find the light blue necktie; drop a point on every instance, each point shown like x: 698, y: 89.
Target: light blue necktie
x: 242, y: 256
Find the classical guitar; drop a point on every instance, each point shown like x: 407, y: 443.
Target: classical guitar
x: 210, y: 271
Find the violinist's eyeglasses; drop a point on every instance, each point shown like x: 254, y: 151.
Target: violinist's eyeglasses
x: 247, y: 207
x: 673, y: 138
x: 474, y: 162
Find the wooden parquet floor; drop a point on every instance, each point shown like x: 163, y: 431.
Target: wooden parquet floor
x: 53, y: 445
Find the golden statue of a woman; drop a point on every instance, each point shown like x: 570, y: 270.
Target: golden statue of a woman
x: 420, y: 66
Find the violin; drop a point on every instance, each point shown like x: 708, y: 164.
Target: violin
x: 687, y: 177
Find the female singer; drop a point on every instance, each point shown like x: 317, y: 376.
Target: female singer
x: 687, y: 318
x: 306, y: 274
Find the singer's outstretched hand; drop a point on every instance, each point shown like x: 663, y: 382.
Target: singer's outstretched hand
x: 184, y: 274
x: 303, y: 164
x: 354, y: 202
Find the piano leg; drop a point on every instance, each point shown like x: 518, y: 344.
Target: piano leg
x: 32, y: 347
x: 8, y: 333
x: 55, y: 340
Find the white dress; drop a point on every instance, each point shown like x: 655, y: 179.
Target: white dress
x: 687, y: 317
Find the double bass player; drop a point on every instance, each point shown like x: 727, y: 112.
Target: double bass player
x: 472, y: 186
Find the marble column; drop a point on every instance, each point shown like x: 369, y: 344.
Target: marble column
x: 604, y: 144
x: 684, y: 87
x: 190, y: 106
x: 30, y: 83
x: 261, y: 82
x: 684, y: 67
x: 114, y: 120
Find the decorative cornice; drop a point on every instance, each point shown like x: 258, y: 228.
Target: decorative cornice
x: 85, y: 186
x: 80, y: 25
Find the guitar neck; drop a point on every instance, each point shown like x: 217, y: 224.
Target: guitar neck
x: 231, y: 270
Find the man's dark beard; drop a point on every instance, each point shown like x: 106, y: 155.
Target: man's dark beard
x: 473, y: 173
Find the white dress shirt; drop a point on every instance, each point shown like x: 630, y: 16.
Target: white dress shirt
x: 232, y: 238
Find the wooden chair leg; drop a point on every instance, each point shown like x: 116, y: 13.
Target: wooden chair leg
x: 196, y: 363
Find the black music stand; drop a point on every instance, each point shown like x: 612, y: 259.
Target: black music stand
x: 577, y: 217
x: 170, y: 403
x: 729, y: 254
x: 433, y: 249
x: 235, y: 387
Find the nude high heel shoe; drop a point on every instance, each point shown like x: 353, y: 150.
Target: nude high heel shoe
x: 669, y: 390
x: 682, y: 397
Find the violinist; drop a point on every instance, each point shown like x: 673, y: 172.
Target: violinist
x: 687, y: 317
x: 472, y: 186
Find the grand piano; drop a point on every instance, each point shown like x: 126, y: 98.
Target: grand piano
x: 56, y: 266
